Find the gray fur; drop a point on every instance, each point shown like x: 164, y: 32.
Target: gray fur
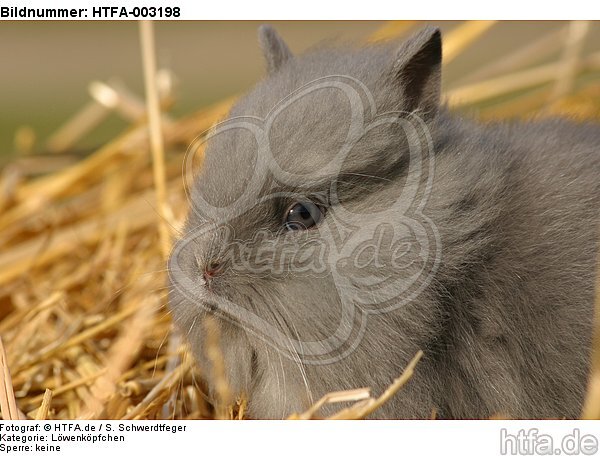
x: 274, y: 48
x: 505, y: 322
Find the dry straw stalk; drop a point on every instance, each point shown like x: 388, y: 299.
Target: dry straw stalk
x: 83, y: 318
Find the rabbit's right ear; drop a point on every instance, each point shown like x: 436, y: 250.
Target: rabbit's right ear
x: 274, y: 48
x: 417, y: 70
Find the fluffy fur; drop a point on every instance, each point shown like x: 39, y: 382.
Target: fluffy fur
x: 505, y: 319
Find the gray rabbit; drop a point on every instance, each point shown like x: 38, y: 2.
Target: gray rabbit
x: 344, y: 219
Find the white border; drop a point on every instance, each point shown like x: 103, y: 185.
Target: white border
x: 303, y: 438
x: 345, y: 10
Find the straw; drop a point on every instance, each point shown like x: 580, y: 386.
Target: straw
x: 370, y: 406
x: 83, y: 280
x: 156, y: 138
x: 461, y: 37
x: 42, y: 413
x: 85, y: 120
x: 577, y: 33
x: 391, y: 30
x: 217, y: 368
x: 526, y: 55
x: 8, y: 403
x: 513, y: 82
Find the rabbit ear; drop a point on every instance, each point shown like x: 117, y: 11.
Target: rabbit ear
x: 274, y: 48
x: 418, y: 70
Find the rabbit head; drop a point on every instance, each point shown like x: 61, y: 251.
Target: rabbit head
x: 305, y: 237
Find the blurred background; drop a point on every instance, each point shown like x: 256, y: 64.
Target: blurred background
x: 84, y: 229
x: 47, y: 67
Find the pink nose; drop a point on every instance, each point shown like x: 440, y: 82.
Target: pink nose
x: 212, y: 269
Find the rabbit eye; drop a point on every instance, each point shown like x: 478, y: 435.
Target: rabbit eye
x: 302, y: 216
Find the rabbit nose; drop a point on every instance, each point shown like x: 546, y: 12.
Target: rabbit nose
x: 212, y: 269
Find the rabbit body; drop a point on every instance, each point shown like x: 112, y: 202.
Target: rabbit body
x: 488, y: 267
